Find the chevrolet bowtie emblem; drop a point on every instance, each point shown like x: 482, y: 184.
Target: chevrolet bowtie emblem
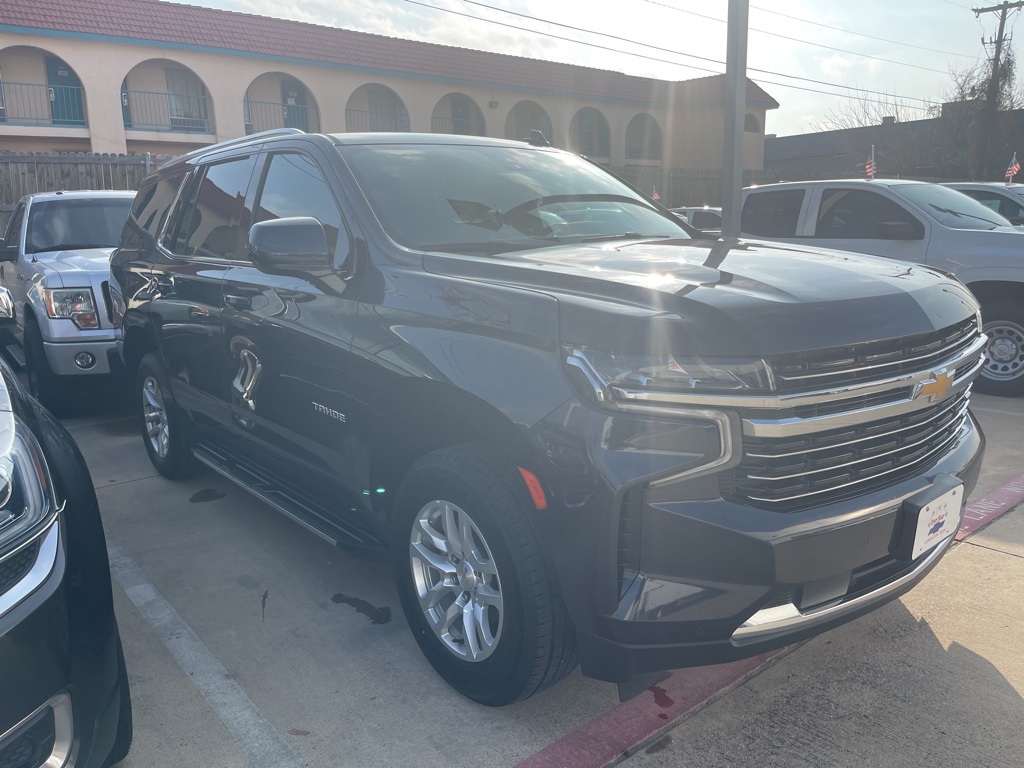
x: 936, y: 388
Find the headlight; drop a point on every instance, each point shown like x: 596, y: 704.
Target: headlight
x: 669, y: 373
x: 27, y: 505
x: 76, y: 304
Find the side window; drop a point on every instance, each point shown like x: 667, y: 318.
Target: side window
x: 706, y: 220
x: 294, y: 186
x: 209, y: 224
x: 772, y: 214
x: 14, y: 225
x: 987, y: 199
x: 854, y: 214
x: 152, y: 203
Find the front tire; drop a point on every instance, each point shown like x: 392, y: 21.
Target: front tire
x: 166, y: 430
x: 475, y: 586
x: 1003, y: 374
x: 53, y: 391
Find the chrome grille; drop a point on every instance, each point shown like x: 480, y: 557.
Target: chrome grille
x: 792, y: 473
x: 872, y: 360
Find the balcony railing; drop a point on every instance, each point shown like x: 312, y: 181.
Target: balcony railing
x: 38, y: 104
x: 364, y: 120
x: 463, y: 126
x: 267, y: 115
x: 155, y: 111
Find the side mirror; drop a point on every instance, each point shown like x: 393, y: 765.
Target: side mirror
x: 897, y: 230
x: 8, y: 252
x: 284, y: 246
x: 6, y: 309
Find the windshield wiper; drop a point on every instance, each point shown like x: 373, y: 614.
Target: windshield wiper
x: 71, y: 247
x: 961, y: 214
x: 491, y: 247
x: 621, y: 236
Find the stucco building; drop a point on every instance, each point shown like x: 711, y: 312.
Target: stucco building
x: 143, y: 76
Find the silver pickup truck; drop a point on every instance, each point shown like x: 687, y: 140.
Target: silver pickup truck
x: 55, y: 261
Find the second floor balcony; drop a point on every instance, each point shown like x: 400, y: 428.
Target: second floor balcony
x: 267, y: 115
x: 358, y: 120
x: 41, y: 104
x: 161, y: 111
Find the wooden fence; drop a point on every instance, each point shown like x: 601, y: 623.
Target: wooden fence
x: 22, y: 173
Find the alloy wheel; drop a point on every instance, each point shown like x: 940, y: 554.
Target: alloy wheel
x: 154, y: 412
x: 456, y: 581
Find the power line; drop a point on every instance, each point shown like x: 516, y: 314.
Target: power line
x: 675, y: 53
x: 798, y: 40
x: 862, y: 34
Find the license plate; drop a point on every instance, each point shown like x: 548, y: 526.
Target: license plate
x: 938, y: 520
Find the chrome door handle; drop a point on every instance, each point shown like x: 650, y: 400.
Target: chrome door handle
x: 235, y: 301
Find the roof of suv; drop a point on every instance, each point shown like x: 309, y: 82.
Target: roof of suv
x: 423, y: 138
x: 79, y: 194
x: 820, y: 182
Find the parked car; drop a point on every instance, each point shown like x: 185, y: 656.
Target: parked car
x: 55, y: 261
x: 613, y: 443
x: 705, y: 218
x: 1005, y: 199
x: 65, y: 698
x: 916, y: 222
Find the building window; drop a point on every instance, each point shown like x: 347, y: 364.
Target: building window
x: 751, y: 124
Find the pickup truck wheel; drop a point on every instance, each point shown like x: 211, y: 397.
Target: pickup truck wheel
x: 1003, y: 373
x: 53, y: 391
x: 473, y: 582
x: 165, y: 426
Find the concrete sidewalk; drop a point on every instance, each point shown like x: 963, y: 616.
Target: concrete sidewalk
x: 941, y: 686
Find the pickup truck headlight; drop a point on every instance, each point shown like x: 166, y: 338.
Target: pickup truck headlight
x: 76, y: 304
x: 668, y: 373
x: 27, y: 505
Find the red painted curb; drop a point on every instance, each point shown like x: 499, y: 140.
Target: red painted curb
x: 990, y: 506
x: 606, y: 737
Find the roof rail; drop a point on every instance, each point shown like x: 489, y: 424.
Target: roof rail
x: 242, y: 139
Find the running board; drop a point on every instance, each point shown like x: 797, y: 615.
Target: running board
x: 16, y: 353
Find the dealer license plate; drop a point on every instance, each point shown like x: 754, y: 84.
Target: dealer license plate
x: 938, y: 520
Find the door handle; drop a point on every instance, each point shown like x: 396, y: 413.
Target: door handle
x: 235, y: 301
x: 164, y: 284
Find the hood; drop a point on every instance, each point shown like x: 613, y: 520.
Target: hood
x: 753, y: 299
x: 80, y: 263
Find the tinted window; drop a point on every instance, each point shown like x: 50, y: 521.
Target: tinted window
x: 152, y: 203
x: 996, y: 202
x: 14, y: 225
x: 949, y: 207
x: 854, y: 214
x: 492, y: 200
x: 706, y: 220
x: 772, y: 214
x: 294, y: 186
x: 70, y: 223
x: 210, y: 225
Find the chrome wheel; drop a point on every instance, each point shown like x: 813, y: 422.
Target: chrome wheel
x: 1005, y: 350
x: 456, y: 581
x: 154, y: 412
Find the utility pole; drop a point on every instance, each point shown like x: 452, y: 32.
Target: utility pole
x: 992, y: 92
x: 735, y: 112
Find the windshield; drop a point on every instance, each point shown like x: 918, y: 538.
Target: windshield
x: 492, y: 200
x: 62, y: 225
x: 951, y: 208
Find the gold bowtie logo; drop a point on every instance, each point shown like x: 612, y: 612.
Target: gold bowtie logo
x: 937, y: 388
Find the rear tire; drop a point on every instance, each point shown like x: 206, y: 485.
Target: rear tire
x: 53, y: 391
x: 166, y: 431
x: 1003, y: 374
x: 125, y: 726
x: 475, y: 586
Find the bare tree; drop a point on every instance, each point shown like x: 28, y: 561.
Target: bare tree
x: 865, y: 109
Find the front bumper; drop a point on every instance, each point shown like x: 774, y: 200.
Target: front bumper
x: 710, y: 581
x: 61, y: 692
x: 61, y: 357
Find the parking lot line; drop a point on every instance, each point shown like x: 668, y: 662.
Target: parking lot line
x: 618, y: 732
x: 250, y: 729
x: 997, y: 411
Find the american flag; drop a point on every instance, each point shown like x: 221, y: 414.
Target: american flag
x: 869, y: 166
x: 1012, y: 169
x: 656, y: 196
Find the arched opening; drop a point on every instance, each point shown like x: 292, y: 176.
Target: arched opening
x: 643, y: 138
x: 751, y: 124
x: 39, y: 88
x: 528, y: 116
x: 163, y: 95
x: 374, y: 107
x: 277, y: 100
x: 457, y: 113
x: 589, y: 134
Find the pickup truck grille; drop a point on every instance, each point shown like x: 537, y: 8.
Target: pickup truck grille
x: 854, y: 420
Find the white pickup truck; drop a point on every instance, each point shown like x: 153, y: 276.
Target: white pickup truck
x: 915, y: 222
x: 55, y: 261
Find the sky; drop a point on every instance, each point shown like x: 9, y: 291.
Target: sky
x: 918, y: 42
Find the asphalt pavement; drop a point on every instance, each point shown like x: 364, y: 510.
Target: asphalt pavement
x: 252, y: 642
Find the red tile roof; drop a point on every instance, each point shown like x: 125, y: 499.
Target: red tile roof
x: 187, y: 25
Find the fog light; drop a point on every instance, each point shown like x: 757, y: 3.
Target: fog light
x: 85, y: 360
